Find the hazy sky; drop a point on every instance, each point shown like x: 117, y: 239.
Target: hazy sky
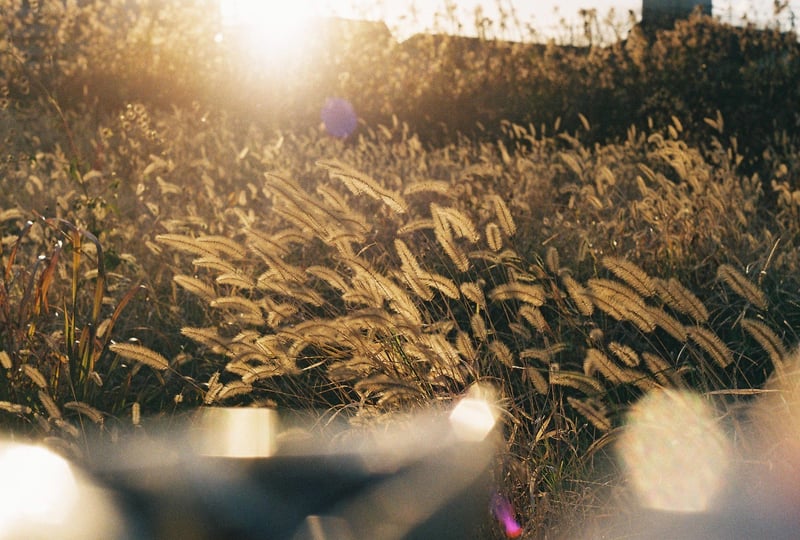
x: 407, y: 17
x: 544, y: 15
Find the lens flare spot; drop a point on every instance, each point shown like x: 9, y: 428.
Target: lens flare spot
x: 232, y: 432
x: 339, y: 117
x: 38, y: 487
x: 504, y: 513
x: 674, y: 451
x: 472, y: 419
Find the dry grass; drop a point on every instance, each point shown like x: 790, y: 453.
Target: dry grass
x: 378, y: 274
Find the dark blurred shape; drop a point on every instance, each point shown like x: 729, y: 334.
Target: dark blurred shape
x: 427, y: 477
x: 664, y: 13
x: 339, y: 117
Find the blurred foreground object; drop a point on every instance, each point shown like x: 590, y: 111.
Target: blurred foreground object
x: 674, y: 452
x: 236, y: 432
x: 690, y: 482
x: 43, y: 496
x: 232, y: 473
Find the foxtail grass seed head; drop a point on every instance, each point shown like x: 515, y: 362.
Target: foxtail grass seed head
x: 587, y: 384
x: 530, y: 294
x: 630, y: 274
x: 34, y: 375
x: 663, y: 373
x: 478, y: 326
x: 579, y: 295
x: 742, y: 286
x: 504, y: 217
x: 140, y: 353
x: 493, y: 237
x: 534, y: 317
x: 595, y: 412
x: 5, y: 360
x: 502, y: 353
x: 552, y: 260
x: 86, y: 410
x: 14, y: 408
x: 537, y: 379
x: 711, y: 344
x: 681, y: 299
x: 49, y: 405
x: 136, y: 414
x: 667, y: 323
x: 196, y: 286
x: 768, y: 340
x: 624, y: 353
x: 443, y: 284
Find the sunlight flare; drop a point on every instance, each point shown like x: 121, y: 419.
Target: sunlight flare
x: 270, y: 31
x: 233, y: 432
x: 675, y: 452
x: 44, y: 496
x: 475, y: 416
x: 272, y: 16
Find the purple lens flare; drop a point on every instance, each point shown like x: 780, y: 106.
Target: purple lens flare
x: 339, y: 117
x: 504, y: 513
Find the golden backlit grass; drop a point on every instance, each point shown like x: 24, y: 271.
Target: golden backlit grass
x: 158, y: 258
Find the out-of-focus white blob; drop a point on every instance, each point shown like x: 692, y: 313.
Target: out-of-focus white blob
x: 676, y: 457
x: 775, y: 441
x: 233, y: 432
x: 475, y: 416
x: 274, y: 33
x: 37, y: 486
x: 472, y: 419
x: 42, y: 496
x: 675, y: 453
x: 775, y: 413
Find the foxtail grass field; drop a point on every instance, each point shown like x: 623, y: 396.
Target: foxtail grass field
x: 576, y: 226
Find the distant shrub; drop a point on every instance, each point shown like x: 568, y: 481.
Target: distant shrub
x: 164, y: 54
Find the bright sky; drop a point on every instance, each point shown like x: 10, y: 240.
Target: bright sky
x: 407, y: 17
x: 544, y: 15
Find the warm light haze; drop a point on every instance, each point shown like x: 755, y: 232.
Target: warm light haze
x: 406, y: 17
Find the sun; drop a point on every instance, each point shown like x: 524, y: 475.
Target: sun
x: 239, y: 13
x: 274, y: 31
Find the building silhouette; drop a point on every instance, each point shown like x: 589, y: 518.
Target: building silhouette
x: 664, y: 13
